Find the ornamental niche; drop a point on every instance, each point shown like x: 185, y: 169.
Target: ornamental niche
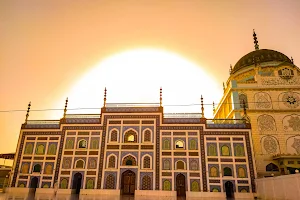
x: 291, y: 99
x: 270, y: 144
x: 291, y: 123
x: 263, y: 100
x: 293, y: 145
x: 266, y: 123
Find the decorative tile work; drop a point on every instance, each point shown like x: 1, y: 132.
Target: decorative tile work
x: 143, y: 183
x: 110, y: 180
x: 192, y: 133
x: 19, y: 153
x: 194, y: 187
x: 185, y: 176
x: 212, y: 187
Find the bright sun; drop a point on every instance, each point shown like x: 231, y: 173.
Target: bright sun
x: 135, y: 76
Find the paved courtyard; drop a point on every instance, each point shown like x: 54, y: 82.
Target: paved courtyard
x: 4, y: 196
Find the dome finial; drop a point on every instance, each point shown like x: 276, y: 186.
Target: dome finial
x: 255, y: 40
x: 292, y: 60
x: 160, y: 97
x: 230, y: 69
x: 104, y: 99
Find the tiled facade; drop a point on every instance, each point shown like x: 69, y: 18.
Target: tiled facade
x: 157, y: 154
x: 268, y: 82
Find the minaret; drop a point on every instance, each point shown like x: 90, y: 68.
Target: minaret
x: 230, y: 69
x: 27, y: 115
x: 255, y: 40
x: 65, y: 110
x: 160, y: 97
x: 292, y: 60
x: 214, y: 107
x: 202, y: 108
x: 104, y: 99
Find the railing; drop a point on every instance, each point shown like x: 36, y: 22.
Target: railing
x: 226, y: 121
x: 43, y: 122
x: 83, y: 116
x: 182, y: 115
x: 122, y: 105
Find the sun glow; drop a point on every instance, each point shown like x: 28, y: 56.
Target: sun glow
x: 135, y: 76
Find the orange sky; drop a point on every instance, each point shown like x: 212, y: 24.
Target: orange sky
x: 46, y: 46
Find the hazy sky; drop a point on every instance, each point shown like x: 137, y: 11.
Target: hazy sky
x: 47, y: 46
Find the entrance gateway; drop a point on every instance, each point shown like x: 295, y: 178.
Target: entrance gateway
x: 180, y: 185
x: 33, y: 185
x: 229, y: 189
x: 76, y: 186
x: 128, y: 183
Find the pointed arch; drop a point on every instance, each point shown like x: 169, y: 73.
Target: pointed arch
x: 79, y: 164
x: 63, y: 183
x: 194, y: 165
x: 239, y: 150
x: 40, y: 150
x: 243, y: 100
x: 227, y: 171
x: 70, y: 144
x: 147, y: 135
x: 48, y: 169
x: 241, y: 172
x: 114, y: 135
x: 130, y: 136
x: 180, y: 164
x: 166, y: 144
x: 225, y: 150
x: 37, y: 168
x: 213, y: 172
x: 95, y: 144
x: 193, y: 144
x: 52, y: 149
x: 82, y: 144
x: 271, y: 167
x: 167, y: 185
x: 29, y: 148
x: 25, y: 168
x: 129, y: 160
x: 90, y: 184
x: 167, y: 164
x: 212, y: 150
x: 179, y: 144
x: 112, y: 161
x: 146, y: 162
x: 195, y: 186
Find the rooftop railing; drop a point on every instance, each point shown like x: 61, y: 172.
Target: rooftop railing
x: 182, y: 115
x: 122, y: 105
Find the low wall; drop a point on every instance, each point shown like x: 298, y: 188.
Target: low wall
x: 217, y: 195
x: 16, y: 190
x: 100, y: 192
x: 161, y: 193
x: 279, y: 187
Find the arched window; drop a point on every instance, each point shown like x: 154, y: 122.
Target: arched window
x: 52, y: 149
x: 241, y: 172
x: 272, y: 168
x: 195, y: 186
x: 179, y: 144
x: 40, y: 150
x: 167, y: 164
x: 64, y: 183
x: 239, y: 150
x: 180, y: 165
x: 166, y: 144
x: 146, y: 183
x: 194, y: 165
x: 37, y: 168
x: 114, y: 136
x: 48, y: 169
x: 92, y: 163
x: 45, y: 185
x: 110, y: 182
x: 193, y: 144
x: 29, y: 148
x: 130, y: 136
x: 70, y: 144
x: 167, y: 185
x: 212, y: 150
x: 82, y: 144
x: 244, y: 190
x: 90, y: 184
x: 213, y: 172
x: 129, y: 160
x: 225, y: 150
x: 25, y: 168
x: 227, y: 171
x: 22, y: 185
x: 112, y: 162
x: 146, y: 163
x: 95, y: 144
x: 79, y: 164
x: 66, y: 164
x: 243, y: 100
x: 147, y: 136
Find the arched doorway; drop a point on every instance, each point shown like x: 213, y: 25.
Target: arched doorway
x: 76, y: 186
x: 229, y: 189
x: 33, y: 185
x: 128, y: 183
x: 180, y: 185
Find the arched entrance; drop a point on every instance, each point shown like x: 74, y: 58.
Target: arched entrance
x: 76, y: 186
x: 229, y: 189
x: 180, y: 185
x: 33, y: 185
x: 128, y: 183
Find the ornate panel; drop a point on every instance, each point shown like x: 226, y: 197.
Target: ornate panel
x: 262, y: 100
x: 266, y: 123
x: 269, y: 145
x: 291, y: 123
